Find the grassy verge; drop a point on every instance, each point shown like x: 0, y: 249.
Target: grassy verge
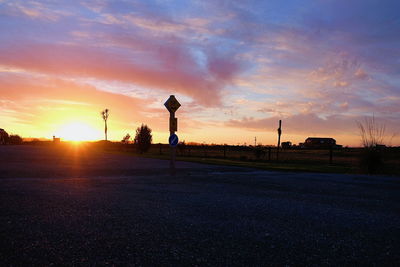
x: 264, y: 165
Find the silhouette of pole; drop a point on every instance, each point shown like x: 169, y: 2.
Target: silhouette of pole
x: 279, y: 139
x: 172, y: 149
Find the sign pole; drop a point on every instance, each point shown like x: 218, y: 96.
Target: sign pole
x: 172, y: 148
x: 172, y: 105
x: 279, y: 140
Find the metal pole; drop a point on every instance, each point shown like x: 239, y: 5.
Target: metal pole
x: 172, y: 105
x: 172, y: 149
x: 279, y: 139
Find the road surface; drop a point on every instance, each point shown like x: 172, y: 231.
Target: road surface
x: 78, y: 207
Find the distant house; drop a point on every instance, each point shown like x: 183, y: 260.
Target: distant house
x: 56, y: 140
x: 286, y: 145
x: 3, y: 137
x: 319, y: 142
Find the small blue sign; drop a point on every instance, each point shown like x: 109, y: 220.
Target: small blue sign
x: 173, y: 140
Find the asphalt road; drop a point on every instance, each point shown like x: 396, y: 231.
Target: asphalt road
x: 76, y: 207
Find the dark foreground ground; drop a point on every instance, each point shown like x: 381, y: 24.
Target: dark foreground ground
x: 75, y: 207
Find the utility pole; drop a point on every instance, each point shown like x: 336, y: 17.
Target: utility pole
x: 279, y: 140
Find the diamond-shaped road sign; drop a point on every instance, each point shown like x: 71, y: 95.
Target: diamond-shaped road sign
x: 172, y: 104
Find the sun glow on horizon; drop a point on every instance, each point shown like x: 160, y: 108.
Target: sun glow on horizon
x: 78, y: 131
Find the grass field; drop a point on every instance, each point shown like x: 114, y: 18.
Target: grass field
x: 344, y: 160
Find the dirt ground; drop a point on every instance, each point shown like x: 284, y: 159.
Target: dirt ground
x: 73, y: 206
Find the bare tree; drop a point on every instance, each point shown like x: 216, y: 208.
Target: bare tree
x: 105, y: 113
x: 372, y: 133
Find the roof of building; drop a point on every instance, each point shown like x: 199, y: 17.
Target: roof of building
x: 319, y: 138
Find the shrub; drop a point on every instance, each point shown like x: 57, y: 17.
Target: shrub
x: 126, y: 139
x: 15, y: 139
x: 372, y: 160
x: 372, y: 137
x: 143, y: 138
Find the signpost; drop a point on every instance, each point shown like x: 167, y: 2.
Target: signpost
x: 172, y: 106
x: 173, y: 140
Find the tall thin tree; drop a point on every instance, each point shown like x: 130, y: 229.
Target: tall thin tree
x: 105, y: 113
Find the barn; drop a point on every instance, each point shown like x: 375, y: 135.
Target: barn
x: 319, y: 142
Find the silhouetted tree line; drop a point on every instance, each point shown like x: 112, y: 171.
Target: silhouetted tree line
x: 6, y: 139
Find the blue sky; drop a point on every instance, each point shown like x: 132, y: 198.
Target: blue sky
x: 236, y: 66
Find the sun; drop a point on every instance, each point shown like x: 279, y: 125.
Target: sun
x: 77, y: 131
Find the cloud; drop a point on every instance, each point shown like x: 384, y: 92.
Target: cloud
x: 33, y: 98
x: 34, y: 10
x: 299, y: 124
x: 320, y: 60
x: 39, y: 104
x: 176, y: 71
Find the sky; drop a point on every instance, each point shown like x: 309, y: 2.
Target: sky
x: 236, y: 67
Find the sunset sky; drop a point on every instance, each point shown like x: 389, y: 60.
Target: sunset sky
x: 237, y: 67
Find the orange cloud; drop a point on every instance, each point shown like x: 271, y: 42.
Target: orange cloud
x: 175, y: 72
x: 29, y: 100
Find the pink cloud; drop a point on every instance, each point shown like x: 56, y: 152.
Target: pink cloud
x: 307, y: 124
x: 173, y: 69
x: 34, y: 10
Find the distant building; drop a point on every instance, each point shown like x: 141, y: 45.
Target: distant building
x: 319, y: 142
x: 56, y: 140
x: 3, y: 137
x: 286, y: 144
